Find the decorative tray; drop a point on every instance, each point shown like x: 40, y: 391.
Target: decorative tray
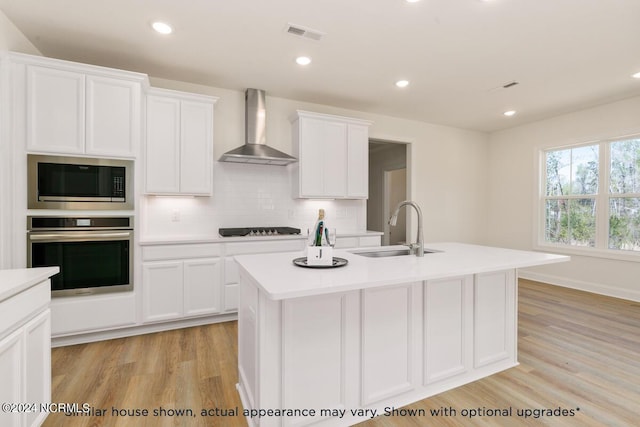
x: 337, y: 262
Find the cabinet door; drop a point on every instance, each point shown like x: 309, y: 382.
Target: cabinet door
x: 112, y: 116
x: 38, y: 364
x: 202, y: 279
x: 55, y: 110
x: 495, y: 317
x: 323, y: 158
x: 196, y: 147
x: 163, y: 145
x: 448, y: 328
x: 358, y: 161
x: 11, y: 375
x: 162, y: 284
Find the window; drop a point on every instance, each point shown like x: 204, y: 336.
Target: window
x: 591, y: 196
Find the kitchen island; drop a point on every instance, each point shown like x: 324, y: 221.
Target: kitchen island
x: 339, y: 346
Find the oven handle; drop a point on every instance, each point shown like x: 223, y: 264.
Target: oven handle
x: 76, y: 236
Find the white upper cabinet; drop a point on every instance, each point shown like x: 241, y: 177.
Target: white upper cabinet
x: 55, y: 110
x: 333, y: 159
x: 179, y: 147
x: 112, y: 116
x: 79, y: 109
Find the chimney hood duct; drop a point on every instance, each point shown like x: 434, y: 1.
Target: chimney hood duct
x: 255, y: 150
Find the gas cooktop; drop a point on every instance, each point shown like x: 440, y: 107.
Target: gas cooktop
x: 257, y: 231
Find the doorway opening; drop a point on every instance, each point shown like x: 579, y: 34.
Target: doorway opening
x: 388, y: 186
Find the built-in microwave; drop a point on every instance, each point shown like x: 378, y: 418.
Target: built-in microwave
x: 56, y: 182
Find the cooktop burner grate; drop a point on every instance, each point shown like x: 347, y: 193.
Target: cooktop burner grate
x: 257, y: 231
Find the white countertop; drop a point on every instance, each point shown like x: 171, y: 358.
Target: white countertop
x: 15, y: 281
x: 280, y: 279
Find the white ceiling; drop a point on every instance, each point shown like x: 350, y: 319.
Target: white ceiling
x: 565, y: 54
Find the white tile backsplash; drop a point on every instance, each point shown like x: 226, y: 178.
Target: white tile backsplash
x: 245, y: 195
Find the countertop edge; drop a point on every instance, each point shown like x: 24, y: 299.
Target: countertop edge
x: 14, y: 281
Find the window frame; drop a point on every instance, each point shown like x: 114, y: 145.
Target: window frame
x: 602, y: 199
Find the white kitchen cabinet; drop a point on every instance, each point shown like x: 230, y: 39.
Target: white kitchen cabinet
x: 79, y: 109
x: 55, y: 110
x: 112, y: 116
x: 37, y: 335
x: 179, y: 147
x: 448, y: 328
x: 25, y: 344
x: 202, y: 286
x: 181, y: 281
x: 163, y: 285
x: 495, y: 300
x: 11, y: 361
x: 25, y: 369
x: 332, y: 154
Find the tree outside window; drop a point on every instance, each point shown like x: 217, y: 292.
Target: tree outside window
x: 575, y: 205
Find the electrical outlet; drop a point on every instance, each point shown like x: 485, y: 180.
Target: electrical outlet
x: 175, y: 215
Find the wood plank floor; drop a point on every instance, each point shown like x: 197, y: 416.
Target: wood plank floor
x: 578, y: 351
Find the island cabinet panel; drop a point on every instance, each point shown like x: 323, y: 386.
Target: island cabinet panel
x: 390, y: 338
x: 448, y: 328
x: 314, y: 338
x: 248, y: 358
x: 495, y: 300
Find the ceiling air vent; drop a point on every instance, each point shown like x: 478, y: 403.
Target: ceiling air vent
x: 307, y: 33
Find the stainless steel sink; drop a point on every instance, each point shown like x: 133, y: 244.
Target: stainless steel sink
x: 389, y: 252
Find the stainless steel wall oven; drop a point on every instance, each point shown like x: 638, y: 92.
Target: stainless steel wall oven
x: 95, y: 254
x: 56, y: 182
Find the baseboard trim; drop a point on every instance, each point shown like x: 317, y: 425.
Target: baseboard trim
x: 595, y: 288
x: 62, y: 341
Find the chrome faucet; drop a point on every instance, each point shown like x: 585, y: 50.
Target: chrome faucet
x: 418, y: 247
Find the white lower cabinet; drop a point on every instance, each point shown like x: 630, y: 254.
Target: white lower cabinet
x: 177, y: 289
x: 495, y: 333
x: 372, y: 348
x: 181, y: 281
x: 202, y: 286
x: 448, y: 328
x: 11, y: 368
x: 25, y: 355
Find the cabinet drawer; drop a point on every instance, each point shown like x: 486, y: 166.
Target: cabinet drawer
x: 182, y: 251
x: 242, y: 248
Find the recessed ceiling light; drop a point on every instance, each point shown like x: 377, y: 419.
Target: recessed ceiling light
x: 636, y: 75
x: 509, y: 113
x: 303, y: 60
x: 402, y: 83
x: 162, y: 28
x: 412, y: 1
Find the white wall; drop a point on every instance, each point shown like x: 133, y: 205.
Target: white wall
x: 512, y: 191
x: 448, y: 176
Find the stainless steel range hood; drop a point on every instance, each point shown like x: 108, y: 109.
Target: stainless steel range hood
x: 255, y: 150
